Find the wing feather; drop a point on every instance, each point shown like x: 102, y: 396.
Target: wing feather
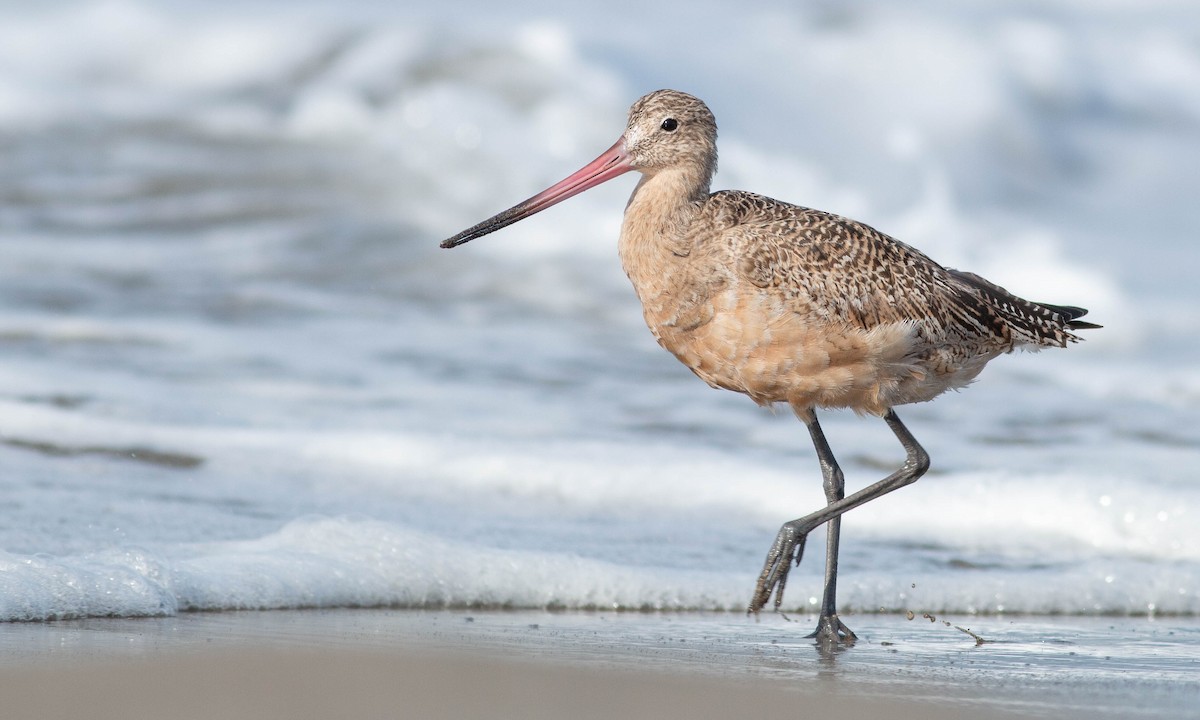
x: 842, y: 271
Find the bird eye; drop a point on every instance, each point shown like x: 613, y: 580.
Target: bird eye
x: 670, y: 124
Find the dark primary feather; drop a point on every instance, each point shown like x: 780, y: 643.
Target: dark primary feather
x: 1071, y: 312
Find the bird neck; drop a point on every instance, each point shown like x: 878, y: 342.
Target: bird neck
x: 658, y: 216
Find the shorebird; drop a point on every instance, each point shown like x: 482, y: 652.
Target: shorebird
x: 791, y: 305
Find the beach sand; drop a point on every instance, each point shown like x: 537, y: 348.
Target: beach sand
x: 531, y: 664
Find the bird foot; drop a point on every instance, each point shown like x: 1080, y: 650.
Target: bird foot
x: 832, y: 631
x: 787, y: 550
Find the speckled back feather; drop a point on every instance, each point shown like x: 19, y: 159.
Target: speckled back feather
x: 845, y: 271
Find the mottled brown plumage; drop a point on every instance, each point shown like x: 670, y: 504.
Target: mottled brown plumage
x: 789, y: 304
x: 792, y: 305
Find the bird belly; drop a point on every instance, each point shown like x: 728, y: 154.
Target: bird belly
x: 751, y: 344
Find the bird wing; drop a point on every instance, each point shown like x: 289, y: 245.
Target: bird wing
x: 849, y: 273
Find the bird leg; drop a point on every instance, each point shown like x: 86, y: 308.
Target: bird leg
x: 789, y: 543
x: 829, y: 627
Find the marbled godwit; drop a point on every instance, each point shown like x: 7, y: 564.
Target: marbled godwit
x: 793, y: 305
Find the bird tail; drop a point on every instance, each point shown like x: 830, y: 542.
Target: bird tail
x: 1033, y: 323
x: 1071, y: 315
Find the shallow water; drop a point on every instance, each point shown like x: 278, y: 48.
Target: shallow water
x: 237, y: 372
x: 1027, y: 666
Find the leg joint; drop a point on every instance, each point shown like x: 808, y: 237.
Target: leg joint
x: 834, y: 483
x: 917, y: 463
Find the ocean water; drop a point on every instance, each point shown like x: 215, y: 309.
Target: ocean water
x: 236, y: 371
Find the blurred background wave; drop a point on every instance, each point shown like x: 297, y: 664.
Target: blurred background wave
x: 236, y: 370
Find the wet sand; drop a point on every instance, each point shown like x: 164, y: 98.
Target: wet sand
x: 527, y: 664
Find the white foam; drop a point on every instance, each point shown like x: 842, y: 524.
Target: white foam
x: 343, y: 562
x: 334, y: 562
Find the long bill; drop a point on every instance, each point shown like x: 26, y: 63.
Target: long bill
x: 611, y: 163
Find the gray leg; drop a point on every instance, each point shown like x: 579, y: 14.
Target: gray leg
x: 829, y: 626
x: 789, y: 543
